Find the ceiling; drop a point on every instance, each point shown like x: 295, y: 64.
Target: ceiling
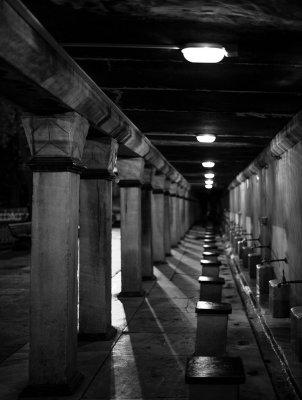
x: 244, y: 100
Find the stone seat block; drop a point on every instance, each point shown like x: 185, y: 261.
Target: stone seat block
x: 210, y: 267
x: 279, y: 303
x: 209, y: 246
x: 264, y: 273
x: 214, y: 378
x: 210, y: 254
x: 209, y: 240
x: 253, y: 260
x: 296, y: 332
x: 212, y: 317
x: 210, y: 288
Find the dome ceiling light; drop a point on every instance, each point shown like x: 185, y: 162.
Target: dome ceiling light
x: 208, y: 186
x: 204, y: 52
x: 206, y: 138
x: 209, y: 175
x: 209, y: 182
x: 208, y: 164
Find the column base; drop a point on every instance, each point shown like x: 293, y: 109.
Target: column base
x: 65, y: 389
x: 123, y: 295
x: 96, y: 337
x: 149, y: 278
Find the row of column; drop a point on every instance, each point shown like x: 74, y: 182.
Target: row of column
x: 71, y: 235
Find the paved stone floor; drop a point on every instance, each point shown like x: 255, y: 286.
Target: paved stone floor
x: 156, y: 334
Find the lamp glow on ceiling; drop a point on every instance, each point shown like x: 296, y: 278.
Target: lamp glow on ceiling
x: 208, y: 164
x: 208, y: 186
x: 209, y: 175
x: 206, y: 138
x: 204, y: 52
x: 209, y: 182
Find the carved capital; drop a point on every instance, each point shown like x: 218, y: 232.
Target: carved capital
x: 180, y: 191
x: 168, y: 184
x: 131, y: 171
x: 173, y: 189
x: 158, y: 182
x: 148, y: 174
x: 60, y: 135
x: 100, y: 158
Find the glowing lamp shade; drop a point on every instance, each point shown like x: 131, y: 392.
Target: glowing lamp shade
x: 208, y: 164
x: 206, y: 138
x: 208, y: 186
x: 204, y: 53
x: 209, y: 175
x: 209, y: 182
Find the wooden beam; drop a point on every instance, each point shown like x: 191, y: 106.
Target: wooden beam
x: 40, y: 76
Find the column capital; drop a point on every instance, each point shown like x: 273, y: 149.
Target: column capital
x: 158, y: 182
x: 131, y: 171
x: 180, y: 191
x: 167, y: 187
x: 173, y: 189
x: 148, y: 176
x: 56, y: 142
x: 100, y: 158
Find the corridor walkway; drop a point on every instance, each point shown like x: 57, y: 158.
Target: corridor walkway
x: 156, y: 334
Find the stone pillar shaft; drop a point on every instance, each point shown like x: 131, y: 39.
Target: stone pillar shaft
x: 56, y: 144
x: 158, y: 218
x: 131, y: 177
x: 174, y: 215
x: 95, y: 239
x: 167, y: 235
x: 147, y: 253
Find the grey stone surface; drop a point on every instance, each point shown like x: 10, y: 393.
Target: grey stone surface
x: 150, y: 363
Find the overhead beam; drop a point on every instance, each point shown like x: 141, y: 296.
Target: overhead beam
x: 39, y: 75
x: 180, y: 143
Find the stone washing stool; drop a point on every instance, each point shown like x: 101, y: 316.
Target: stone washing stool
x: 253, y: 260
x: 210, y: 236
x: 210, y: 268
x: 264, y: 273
x: 209, y: 255
x: 214, y: 378
x: 296, y: 331
x: 209, y: 240
x: 279, y: 295
x: 212, y: 324
x: 210, y: 288
x: 211, y: 246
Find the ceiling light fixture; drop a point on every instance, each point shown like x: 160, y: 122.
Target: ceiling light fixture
x: 209, y: 182
x: 209, y: 175
x: 208, y: 186
x: 208, y: 164
x: 204, y: 52
x: 206, y: 138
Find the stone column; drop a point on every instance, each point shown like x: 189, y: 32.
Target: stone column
x: 147, y: 253
x: 158, y: 218
x: 131, y: 172
x: 56, y: 144
x: 167, y: 223
x: 174, y: 214
x: 186, y: 211
x: 180, y: 212
x: 95, y: 239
